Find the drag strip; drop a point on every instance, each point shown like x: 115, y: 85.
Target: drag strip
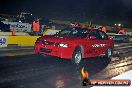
x: 37, y: 71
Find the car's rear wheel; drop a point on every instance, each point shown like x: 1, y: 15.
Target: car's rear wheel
x: 77, y: 56
x: 109, y: 53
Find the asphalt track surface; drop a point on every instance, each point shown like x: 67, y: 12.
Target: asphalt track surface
x: 37, y: 71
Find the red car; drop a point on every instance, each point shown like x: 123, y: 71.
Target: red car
x: 75, y: 44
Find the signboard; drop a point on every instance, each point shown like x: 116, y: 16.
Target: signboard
x: 3, y: 41
x: 20, y: 27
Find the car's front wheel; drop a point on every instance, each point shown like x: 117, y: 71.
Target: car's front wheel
x: 77, y: 56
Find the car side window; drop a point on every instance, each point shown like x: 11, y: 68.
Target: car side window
x: 94, y: 33
x: 102, y: 35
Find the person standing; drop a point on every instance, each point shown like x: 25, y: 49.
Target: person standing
x: 104, y: 29
x: 121, y: 31
x: 36, y: 27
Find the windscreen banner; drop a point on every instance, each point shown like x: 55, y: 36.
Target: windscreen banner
x: 3, y: 41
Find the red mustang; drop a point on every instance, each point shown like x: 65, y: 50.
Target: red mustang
x: 75, y: 44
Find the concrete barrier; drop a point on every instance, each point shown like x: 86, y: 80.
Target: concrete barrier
x: 10, y: 33
x: 22, y: 40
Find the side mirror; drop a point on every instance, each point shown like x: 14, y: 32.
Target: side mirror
x: 92, y: 37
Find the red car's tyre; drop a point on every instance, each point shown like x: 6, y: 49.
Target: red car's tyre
x: 109, y: 53
x: 77, y: 56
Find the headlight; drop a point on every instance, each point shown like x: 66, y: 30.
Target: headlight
x: 63, y: 45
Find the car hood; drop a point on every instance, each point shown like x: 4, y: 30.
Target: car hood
x: 59, y: 39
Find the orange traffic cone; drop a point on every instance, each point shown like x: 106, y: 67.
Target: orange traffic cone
x: 13, y: 31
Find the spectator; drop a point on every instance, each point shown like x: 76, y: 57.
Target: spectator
x: 121, y: 31
x: 36, y: 27
x: 43, y: 27
x: 104, y: 29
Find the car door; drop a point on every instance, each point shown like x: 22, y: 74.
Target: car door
x: 90, y: 48
x: 104, y: 43
x: 95, y: 44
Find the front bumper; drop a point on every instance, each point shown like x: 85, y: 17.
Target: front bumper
x: 53, y: 50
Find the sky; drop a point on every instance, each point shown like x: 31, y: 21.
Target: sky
x: 111, y: 10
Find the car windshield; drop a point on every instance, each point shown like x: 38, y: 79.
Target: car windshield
x: 77, y: 32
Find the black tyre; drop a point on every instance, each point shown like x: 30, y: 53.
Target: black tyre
x: 109, y: 53
x: 77, y: 56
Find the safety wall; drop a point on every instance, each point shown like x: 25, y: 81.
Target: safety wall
x: 22, y: 40
x: 10, y: 33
